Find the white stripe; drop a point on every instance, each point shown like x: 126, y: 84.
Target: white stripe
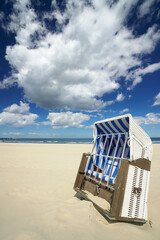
x: 119, y: 126
x: 108, y: 165
x: 106, y: 178
x: 113, y: 127
x: 125, y: 122
x: 115, y: 163
x: 109, y: 130
x: 109, y: 162
x: 128, y: 192
x: 114, y: 167
x: 101, y: 128
x: 100, y: 175
x: 93, y: 172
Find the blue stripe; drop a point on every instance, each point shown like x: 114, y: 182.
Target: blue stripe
x: 112, y: 131
x: 103, y: 162
x: 104, y: 151
x: 115, y: 171
x: 106, y: 166
x: 123, y: 140
x: 109, y: 169
x: 127, y: 119
x: 122, y: 124
x: 104, y: 128
x: 115, y: 153
x: 128, y: 156
x: 98, y: 141
x: 104, y: 178
x: 99, y: 130
x: 123, y: 137
x: 111, y: 180
x: 115, y: 125
x: 97, y: 160
x: 90, y: 164
x: 111, y: 152
x: 97, y: 144
x: 97, y: 151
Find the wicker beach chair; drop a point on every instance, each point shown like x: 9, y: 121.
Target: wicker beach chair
x: 117, y: 169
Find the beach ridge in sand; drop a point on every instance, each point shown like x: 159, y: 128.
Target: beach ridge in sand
x: 37, y: 200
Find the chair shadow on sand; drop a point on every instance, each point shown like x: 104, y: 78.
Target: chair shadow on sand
x: 78, y: 196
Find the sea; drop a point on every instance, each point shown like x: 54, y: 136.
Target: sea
x: 155, y: 140
x: 48, y: 140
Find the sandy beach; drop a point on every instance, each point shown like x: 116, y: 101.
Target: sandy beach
x: 37, y: 200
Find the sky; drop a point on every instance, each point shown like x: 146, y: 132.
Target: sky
x: 66, y: 64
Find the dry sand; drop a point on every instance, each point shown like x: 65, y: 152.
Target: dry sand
x: 37, y: 200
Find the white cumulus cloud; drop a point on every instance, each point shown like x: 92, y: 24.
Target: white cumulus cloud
x: 82, y: 58
x: 150, y: 118
x: 14, y: 108
x: 17, y: 116
x: 67, y: 119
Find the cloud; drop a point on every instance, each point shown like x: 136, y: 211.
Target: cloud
x: 100, y: 115
x: 23, y: 108
x: 157, y: 100
x: 1, y: 16
x: 67, y: 119
x: 150, y: 118
x: 38, y: 134
x: 120, y: 97
x: 90, y: 126
x: 145, y: 7
x: 124, y: 110
x: 136, y: 75
x: 82, y: 58
x: 17, y: 116
x: 129, y: 96
x: 108, y: 103
x: 12, y: 134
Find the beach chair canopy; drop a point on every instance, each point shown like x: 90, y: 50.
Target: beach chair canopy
x: 139, y: 143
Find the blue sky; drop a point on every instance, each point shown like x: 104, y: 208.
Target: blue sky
x: 66, y: 64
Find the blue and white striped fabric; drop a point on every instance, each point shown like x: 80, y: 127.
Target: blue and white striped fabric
x: 120, y: 125
x: 111, y: 145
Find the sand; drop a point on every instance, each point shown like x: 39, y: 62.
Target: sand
x: 37, y: 200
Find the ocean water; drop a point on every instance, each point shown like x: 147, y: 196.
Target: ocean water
x: 155, y: 140
x: 47, y: 140
x: 58, y: 140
